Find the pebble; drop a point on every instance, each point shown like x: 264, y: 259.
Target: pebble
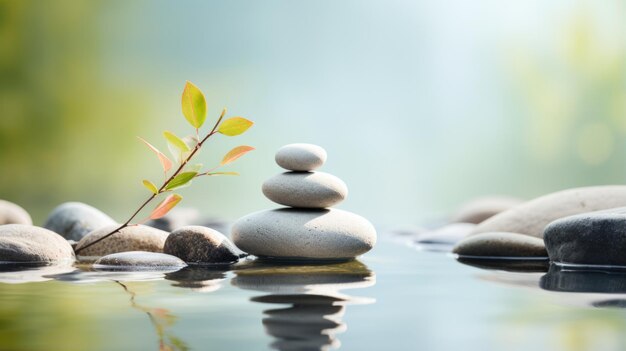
x: 501, y: 245
x: 11, y: 213
x: 592, y: 239
x: 532, y: 217
x: 139, y: 261
x: 74, y: 220
x: 300, y: 157
x: 304, y: 234
x: 305, y: 190
x: 20, y: 243
x: 132, y: 238
x: 201, y: 245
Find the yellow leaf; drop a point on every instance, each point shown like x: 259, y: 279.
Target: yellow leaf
x: 194, y: 105
x: 234, y: 126
x: 235, y: 153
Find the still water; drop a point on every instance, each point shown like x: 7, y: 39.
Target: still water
x: 396, y: 297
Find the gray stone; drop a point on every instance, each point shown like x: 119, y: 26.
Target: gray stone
x: 287, y: 233
x: 11, y: 213
x: 532, y: 217
x: 588, y: 239
x: 300, y: 157
x: 501, y: 245
x: 132, y: 238
x: 74, y: 220
x: 139, y: 260
x: 201, y: 245
x: 480, y: 209
x: 305, y: 189
x: 20, y: 243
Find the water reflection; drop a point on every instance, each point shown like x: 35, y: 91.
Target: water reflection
x: 161, y: 319
x: 316, y: 306
x: 198, y: 278
x: 19, y: 273
x: 586, y: 280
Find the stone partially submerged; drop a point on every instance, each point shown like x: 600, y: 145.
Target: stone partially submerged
x: 21, y: 243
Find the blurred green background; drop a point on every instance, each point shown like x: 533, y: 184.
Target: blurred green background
x: 421, y: 105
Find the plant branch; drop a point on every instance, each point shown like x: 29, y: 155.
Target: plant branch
x: 178, y: 170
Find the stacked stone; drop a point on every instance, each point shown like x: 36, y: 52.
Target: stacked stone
x: 308, y: 228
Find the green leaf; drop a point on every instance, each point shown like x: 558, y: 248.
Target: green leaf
x: 194, y: 168
x: 165, y: 206
x: 223, y: 173
x: 165, y: 162
x: 176, y: 141
x: 235, y: 153
x: 194, y: 105
x: 180, y: 180
x: 235, y: 126
x: 148, y: 184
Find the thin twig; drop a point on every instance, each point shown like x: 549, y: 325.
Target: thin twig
x: 180, y: 168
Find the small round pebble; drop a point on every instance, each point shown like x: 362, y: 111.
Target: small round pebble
x: 201, y: 245
x: 305, y: 189
x: 301, y: 157
x: 11, y: 213
x: 139, y: 260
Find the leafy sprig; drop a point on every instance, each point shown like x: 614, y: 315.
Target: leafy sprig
x: 183, y: 150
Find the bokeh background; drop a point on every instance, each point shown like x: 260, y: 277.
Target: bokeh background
x: 421, y: 105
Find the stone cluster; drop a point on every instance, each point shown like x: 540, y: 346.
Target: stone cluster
x: 308, y: 229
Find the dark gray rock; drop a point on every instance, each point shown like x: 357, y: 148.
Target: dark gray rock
x: 533, y: 216
x: 132, y: 238
x: 201, y: 245
x: 588, y: 239
x: 74, y: 220
x: 500, y: 245
x: 11, y: 213
x: 21, y: 243
x: 139, y: 260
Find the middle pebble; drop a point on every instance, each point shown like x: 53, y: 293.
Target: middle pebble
x: 305, y: 189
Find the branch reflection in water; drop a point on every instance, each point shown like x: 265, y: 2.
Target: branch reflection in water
x: 317, y: 306
x: 161, y: 319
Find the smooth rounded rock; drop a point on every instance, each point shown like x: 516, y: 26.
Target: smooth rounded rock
x: 304, y: 234
x: 74, y: 220
x: 305, y: 190
x: 11, y: 213
x: 301, y: 157
x: 588, y: 239
x: 532, y: 217
x: 139, y: 260
x: 132, y: 238
x: 501, y: 245
x: 20, y: 243
x: 201, y: 245
x: 478, y: 210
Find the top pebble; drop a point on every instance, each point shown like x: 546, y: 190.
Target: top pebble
x: 300, y: 157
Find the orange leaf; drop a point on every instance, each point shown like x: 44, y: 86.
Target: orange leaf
x: 165, y: 162
x: 235, y: 153
x: 165, y: 206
